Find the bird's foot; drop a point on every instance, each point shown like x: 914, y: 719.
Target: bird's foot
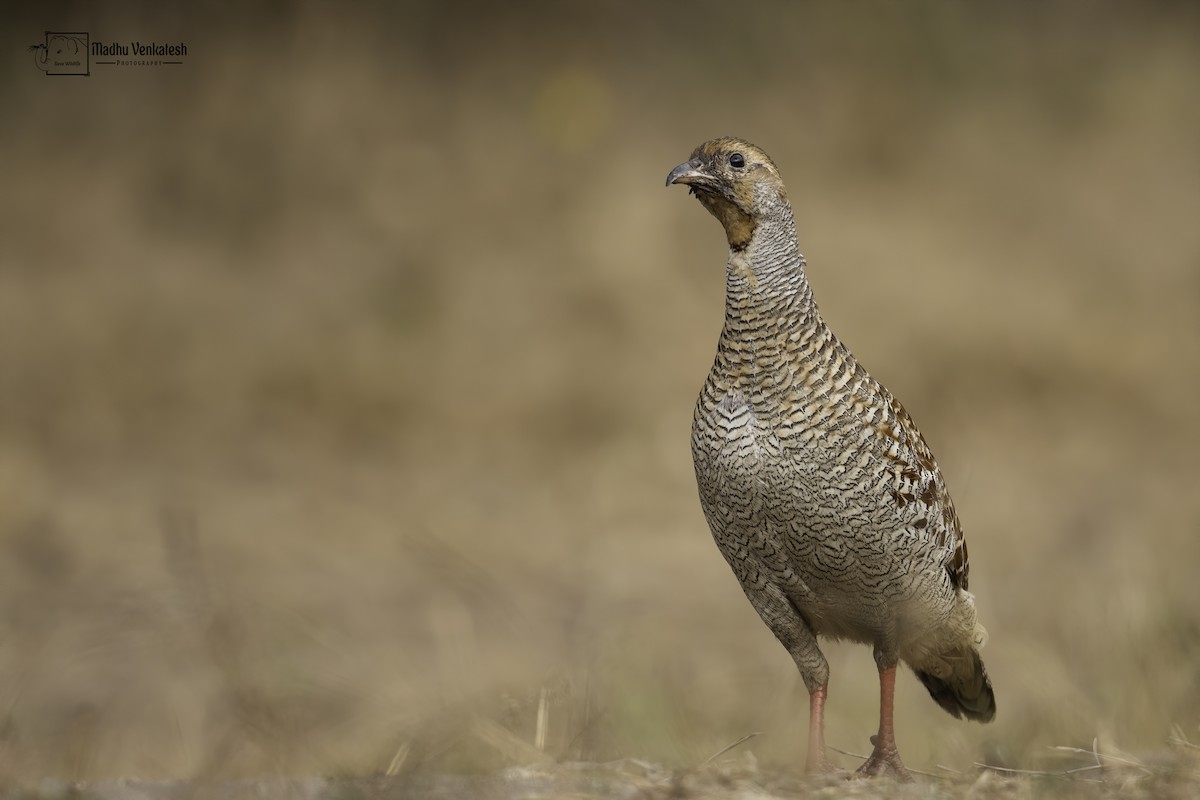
x: 884, y: 762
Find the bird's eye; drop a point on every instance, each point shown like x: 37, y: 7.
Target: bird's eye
x: 736, y: 160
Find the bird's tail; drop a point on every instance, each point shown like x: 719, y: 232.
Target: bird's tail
x: 961, y: 685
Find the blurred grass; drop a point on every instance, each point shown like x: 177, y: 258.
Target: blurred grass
x: 348, y: 370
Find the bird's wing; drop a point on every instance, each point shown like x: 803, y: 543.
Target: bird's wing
x: 920, y: 481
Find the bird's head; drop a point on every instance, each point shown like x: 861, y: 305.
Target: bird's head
x: 738, y: 184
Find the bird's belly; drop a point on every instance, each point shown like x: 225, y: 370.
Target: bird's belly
x: 779, y: 515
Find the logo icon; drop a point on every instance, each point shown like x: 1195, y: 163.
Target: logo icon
x: 62, y: 54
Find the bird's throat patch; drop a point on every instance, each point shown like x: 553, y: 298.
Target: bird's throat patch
x: 739, y: 226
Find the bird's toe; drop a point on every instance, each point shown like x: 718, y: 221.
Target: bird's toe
x: 884, y: 762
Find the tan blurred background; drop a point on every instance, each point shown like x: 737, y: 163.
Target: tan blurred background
x: 346, y: 375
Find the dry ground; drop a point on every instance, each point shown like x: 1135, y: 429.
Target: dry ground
x: 346, y: 374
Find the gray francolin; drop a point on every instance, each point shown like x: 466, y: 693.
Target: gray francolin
x: 819, y: 489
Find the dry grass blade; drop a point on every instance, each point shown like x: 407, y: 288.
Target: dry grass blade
x: 539, y: 737
x: 845, y: 752
x: 1077, y: 770
x: 1179, y: 738
x: 729, y: 747
x: 507, y: 743
x: 1067, y: 773
x: 1101, y: 757
x: 393, y: 767
x: 1015, y: 771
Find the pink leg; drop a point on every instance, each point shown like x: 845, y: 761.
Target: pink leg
x: 818, y: 762
x: 885, y: 758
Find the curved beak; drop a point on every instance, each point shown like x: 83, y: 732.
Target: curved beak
x: 689, y: 172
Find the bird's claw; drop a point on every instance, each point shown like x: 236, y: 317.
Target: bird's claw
x: 884, y: 761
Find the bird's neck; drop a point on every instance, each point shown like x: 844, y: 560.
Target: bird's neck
x: 766, y: 290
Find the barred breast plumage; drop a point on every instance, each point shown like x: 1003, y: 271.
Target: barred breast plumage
x: 818, y: 488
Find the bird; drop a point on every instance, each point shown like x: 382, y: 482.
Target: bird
x: 817, y: 486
